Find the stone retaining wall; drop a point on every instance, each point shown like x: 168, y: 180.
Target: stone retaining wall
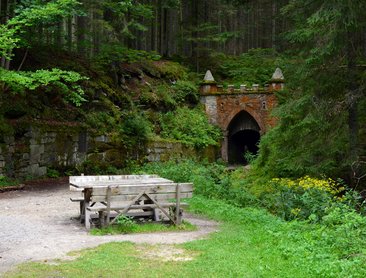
x: 32, y: 150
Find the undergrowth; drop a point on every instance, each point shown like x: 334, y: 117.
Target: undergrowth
x: 135, y: 228
x: 250, y: 243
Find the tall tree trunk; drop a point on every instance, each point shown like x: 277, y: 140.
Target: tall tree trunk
x: 80, y: 36
x: 274, y: 27
x: 353, y: 95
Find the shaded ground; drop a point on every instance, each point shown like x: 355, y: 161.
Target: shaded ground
x: 40, y: 222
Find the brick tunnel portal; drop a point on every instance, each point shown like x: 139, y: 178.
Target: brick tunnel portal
x: 243, y: 137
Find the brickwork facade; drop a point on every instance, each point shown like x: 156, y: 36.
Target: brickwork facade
x: 222, y: 105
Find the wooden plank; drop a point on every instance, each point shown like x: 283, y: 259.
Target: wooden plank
x: 109, y: 194
x: 77, y: 199
x: 157, y: 197
x: 139, y: 213
x: 116, y: 183
x: 132, y: 213
x: 87, y: 179
x: 134, y: 200
x: 132, y: 207
x: 177, y: 207
x: 160, y: 207
x: 75, y: 188
x: 150, y: 188
x: 112, y: 177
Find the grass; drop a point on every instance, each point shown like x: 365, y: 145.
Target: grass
x: 6, y: 182
x: 250, y: 243
x: 134, y: 228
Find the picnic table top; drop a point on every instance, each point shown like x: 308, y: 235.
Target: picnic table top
x: 135, y: 180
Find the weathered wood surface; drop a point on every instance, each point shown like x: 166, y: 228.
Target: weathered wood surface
x: 130, y: 197
x: 137, y: 188
x: 121, y: 206
x: 78, y: 183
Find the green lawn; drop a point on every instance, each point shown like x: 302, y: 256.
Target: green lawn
x: 250, y: 243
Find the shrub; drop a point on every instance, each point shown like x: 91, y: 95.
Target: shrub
x: 304, y: 198
x: 135, y: 124
x: 117, y: 53
x: 255, y: 66
x: 185, y: 92
x: 53, y: 173
x: 6, y: 181
x: 171, y: 70
x: 189, y: 126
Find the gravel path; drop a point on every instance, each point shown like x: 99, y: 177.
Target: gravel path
x: 41, y: 223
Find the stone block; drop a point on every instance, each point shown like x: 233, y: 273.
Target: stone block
x: 36, y: 170
x: 102, y: 138
x: 26, y: 156
x: 36, y: 149
x: 9, y: 140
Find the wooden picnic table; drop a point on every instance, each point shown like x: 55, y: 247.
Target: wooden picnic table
x: 146, y: 193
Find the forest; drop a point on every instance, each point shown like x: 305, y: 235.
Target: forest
x: 131, y: 69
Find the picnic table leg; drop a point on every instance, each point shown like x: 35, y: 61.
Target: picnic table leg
x: 178, y: 217
x: 157, y: 216
x: 82, y: 211
x: 87, y: 218
x: 102, y: 218
x: 87, y: 213
x: 108, y: 212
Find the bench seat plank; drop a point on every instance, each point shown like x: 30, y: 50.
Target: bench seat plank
x: 130, y: 197
x: 77, y: 199
x: 149, y: 188
x: 121, y: 207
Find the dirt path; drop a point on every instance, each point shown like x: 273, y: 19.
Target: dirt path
x: 40, y: 223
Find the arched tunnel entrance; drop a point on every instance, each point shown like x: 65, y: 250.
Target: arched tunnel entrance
x: 243, y: 137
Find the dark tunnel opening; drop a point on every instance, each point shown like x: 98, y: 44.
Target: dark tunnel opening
x: 242, y: 142
x: 244, y: 136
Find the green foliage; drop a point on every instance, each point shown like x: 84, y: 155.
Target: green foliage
x: 63, y: 82
x: 96, y: 166
x: 334, y: 21
x: 117, y: 53
x: 185, y: 92
x: 6, y: 181
x: 30, y: 15
x: 171, y: 70
x: 189, y: 126
x: 8, y: 41
x: 125, y: 16
x: 53, y: 173
x: 129, y: 226
x: 101, y: 121
x: 254, y: 67
x: 167, y: 97
x: 324, y: 94
x: 314, y: 112
x: 126, y: 224
x: 5, y: 129
x: 13, y: 35
x: 135, y: 129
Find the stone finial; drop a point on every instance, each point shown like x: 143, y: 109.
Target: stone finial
x: 243, y: 88
x: 209, y: 77
x: 278, y: 76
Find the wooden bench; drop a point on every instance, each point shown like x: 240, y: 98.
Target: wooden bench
x: 79, y: 183
x: 147, y: 200
x: 107, y: 197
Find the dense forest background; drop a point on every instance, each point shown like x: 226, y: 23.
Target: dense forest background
x: 169, y: 27
x: 81, y: 47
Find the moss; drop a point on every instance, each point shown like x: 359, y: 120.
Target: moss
x: 171, y: 70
